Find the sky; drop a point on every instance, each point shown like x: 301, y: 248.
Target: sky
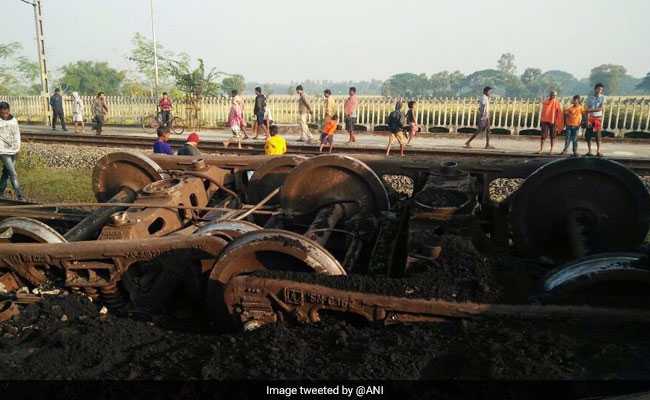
x: 292, y: 40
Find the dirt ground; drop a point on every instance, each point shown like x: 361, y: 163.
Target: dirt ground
x: 67, y: 338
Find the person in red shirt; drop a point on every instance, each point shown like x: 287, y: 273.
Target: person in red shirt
x: 551, y: 120
x: 165, y: 105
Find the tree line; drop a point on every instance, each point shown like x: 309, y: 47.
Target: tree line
x: 531, y: 83
x: 180, y: 76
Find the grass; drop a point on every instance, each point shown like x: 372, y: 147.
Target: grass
x: 43, y: 184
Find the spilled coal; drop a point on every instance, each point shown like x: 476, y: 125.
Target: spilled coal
x: 68, y: 338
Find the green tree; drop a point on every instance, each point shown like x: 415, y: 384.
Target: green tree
x: 609, y: 75
x: 446, y: 84
x: 644, y: 85
x: 233, y: 82
x: 506, y: 64
x: 142, y: 55
x: 407, y: 84
x: 89, y: 77
x: 18, y: 74
x: 565, y: 83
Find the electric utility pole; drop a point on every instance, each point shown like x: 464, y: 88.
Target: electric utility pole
x: 155, y: 51
x: 40, y: 43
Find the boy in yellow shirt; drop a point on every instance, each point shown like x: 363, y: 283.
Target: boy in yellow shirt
x: 275, y: 144
x: 573, y: 119
x: 327, y: 136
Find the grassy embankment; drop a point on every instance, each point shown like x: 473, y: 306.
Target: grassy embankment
x: 43, y: 184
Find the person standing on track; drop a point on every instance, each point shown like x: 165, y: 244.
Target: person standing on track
x: 9, y: 148
x: 304, y: 110
x: 573, y: 119
x: 260, y: 110
x: 100, y: 109
x: 56, y: 102
x: 350, y: 113
x: 595, y: 106
x: 483, y: 118
x: 551, y: 120
x: 165, y: 105
x: 78, y: 113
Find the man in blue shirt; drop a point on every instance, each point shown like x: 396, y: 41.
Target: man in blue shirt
x: 161, y: 146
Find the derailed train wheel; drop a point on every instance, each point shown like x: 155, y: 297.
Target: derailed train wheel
x: 607, y: 280
x: 329, y: 179
x: 270, y: 176
x: 267, y: 249
x: 27, y: 230
x: 123, y: 169
x: 575, y: 207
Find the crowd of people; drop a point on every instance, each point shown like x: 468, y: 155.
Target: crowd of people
x: 403, y: 127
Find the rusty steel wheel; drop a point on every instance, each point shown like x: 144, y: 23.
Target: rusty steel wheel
x: 610, y: 279
x: 267, y: 249
x: 117, y: 171
x: 270, y: 176
x: 227, y: 229
x: 329, y: 179
x: 27, y: 230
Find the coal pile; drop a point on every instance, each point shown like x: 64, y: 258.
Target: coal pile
x: 41, y: 344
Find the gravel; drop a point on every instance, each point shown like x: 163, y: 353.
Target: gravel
x: 501, y: 188
x: 63, y: 155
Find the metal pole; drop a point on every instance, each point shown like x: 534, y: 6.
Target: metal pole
x: 155, y: 51
x: 40, y: 45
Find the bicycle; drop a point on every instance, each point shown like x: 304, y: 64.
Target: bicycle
x: 176, y: 124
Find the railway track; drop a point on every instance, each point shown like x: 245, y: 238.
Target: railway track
x: 639, y: 164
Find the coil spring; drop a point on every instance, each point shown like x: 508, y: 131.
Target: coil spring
x: 112, y: 296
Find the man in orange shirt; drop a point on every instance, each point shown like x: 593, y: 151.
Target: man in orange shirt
x: 573, y: 119
x: 551, y: 120
x: 327, y: 136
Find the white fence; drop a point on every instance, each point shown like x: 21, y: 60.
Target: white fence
x: 623, y: 115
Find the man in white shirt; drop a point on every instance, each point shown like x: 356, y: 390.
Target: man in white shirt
x: 9, y: 147
x: 483, y: 118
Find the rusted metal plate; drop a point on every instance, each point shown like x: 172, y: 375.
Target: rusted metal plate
x: 329, y: 179
x: 270, y: 176
x: 255, y: 301
x: 98, y: 263
x: 123, y: 169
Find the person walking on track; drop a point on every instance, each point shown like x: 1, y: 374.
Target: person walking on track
x: 56, y: 102
x: 100, y: 109
x: 77, y: 112
x: 595, y: 106
x: 483, y: 118
x: 551, y: 120
x: 260, y: 112
x: 304, y: 110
